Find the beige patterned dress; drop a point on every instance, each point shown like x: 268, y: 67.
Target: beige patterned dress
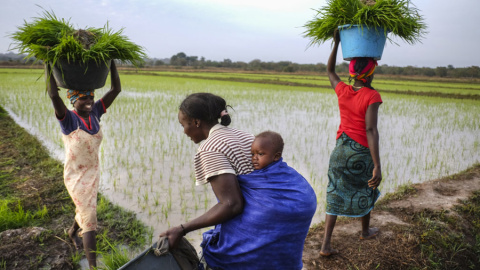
x: 81, y: 171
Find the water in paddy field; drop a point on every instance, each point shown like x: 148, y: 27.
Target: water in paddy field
x: 147, y: 161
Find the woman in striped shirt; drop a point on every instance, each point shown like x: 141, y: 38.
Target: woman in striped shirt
x: 223, y: 154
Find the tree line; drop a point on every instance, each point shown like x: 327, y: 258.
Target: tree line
x: 183, y: 60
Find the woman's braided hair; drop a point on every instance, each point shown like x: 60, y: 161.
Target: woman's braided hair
x: 206, y: 107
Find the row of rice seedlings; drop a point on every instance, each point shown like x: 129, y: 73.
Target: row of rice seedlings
x: 147, y: 161
x: 322, y: 81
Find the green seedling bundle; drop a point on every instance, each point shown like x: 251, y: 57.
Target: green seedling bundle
x: 399, y: 17
x: 49, y: 38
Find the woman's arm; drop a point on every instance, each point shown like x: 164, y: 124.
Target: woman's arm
x: 230, y: 204
x: 332, y: 62
x: 116, y: 87
x: 52, y: 88
x: 371, y: 118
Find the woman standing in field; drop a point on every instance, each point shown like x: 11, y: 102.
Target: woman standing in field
x: 354, y: 171
x: 82, y: 136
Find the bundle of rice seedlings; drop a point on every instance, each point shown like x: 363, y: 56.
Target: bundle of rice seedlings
x: 49, y: 39
x: 398, y: 17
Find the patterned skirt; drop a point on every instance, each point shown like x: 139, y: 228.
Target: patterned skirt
x: 350, y: 168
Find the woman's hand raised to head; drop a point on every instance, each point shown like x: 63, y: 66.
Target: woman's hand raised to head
x: 336, y: 36
x: 332, y: 61
x: 52, y: 88
x: 115, y: 88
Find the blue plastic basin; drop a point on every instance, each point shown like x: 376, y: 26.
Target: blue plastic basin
x: 358, y: 41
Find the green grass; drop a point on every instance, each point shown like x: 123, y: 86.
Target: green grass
x: 113, y: 257
x: 452, y: 240
x: 13, y: 216
x: 301, y: 81
x: 123, y: 223
x: 400, y: 192
x: 446, y: 238
x: 321, y: 82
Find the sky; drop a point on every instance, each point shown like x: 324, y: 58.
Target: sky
x: 245, y: 30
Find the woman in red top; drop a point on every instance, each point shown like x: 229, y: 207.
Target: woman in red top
x: 354, y: 170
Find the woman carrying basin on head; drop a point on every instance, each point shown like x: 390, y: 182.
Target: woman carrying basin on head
x: 354, y: 171
x: 82, y: 136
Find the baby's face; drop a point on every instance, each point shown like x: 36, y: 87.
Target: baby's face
x: 263, y: 153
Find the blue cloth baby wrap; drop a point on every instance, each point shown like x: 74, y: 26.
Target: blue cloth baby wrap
x: 271, y: 231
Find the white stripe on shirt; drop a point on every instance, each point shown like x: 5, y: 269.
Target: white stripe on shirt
x: 226, y: 150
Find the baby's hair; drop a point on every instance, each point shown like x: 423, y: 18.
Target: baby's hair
x: 275, y: 138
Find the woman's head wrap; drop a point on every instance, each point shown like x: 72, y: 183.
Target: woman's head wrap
x: 73, y: 95
x: 366, y: 72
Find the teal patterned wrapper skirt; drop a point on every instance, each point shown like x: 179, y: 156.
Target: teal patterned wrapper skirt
x: 350, y: 168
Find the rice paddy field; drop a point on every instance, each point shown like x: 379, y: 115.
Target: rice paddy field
x: 147, y: 161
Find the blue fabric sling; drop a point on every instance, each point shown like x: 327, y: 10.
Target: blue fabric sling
x: 271, y: 231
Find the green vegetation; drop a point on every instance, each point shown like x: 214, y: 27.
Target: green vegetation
x: 49, y: 39
x: 382, y: 83
x: 399, y: 17
x: 447, y: 238
x: 12, y: 215
x: 451, y: 239
x: 123, y: 224
x: 113, y: 257
x: 399, y: 193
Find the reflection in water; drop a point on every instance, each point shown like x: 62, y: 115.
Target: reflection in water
x: 147, y: 161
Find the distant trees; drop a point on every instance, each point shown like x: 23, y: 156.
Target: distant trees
x: 14, y: 59
x: 441, y: 71
x: 181, y: 59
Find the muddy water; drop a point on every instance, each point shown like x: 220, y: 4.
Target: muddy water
x: 147, y: 161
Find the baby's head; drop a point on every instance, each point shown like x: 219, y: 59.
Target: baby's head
x: 266, y: 148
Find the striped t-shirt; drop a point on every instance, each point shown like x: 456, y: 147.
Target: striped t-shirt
x: 226, y: 150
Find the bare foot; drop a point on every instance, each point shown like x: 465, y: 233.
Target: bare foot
x: 77, y: 242
x: 328, y: 252
x: 372, y: 233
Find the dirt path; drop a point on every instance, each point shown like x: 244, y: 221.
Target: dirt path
x: 397, y: 245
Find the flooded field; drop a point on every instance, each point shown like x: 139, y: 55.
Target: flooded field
x: 147, y: 161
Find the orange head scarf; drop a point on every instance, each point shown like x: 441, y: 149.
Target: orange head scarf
x: 73, y: 95
x: 366, y: 72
